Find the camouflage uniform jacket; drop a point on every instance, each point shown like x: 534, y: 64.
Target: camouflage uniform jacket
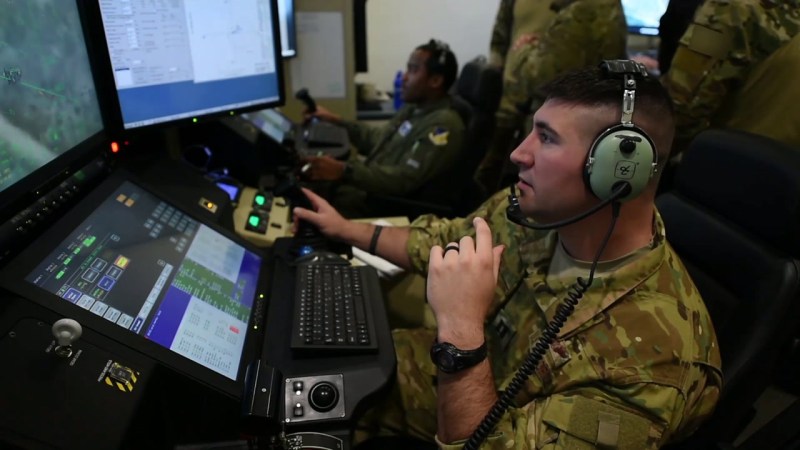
x: 570, y: 34
x: 416, y: 145
x: 737, y: 67
x: 636, y: 365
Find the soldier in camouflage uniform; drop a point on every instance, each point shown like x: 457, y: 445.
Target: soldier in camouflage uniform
x: 635, y: 366
x: 419, y: 143
x: 737, y: 67
x: 535, y: 40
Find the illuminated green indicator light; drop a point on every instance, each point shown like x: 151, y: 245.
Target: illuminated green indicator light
x: 231, y: 113
x: 254, y: 221
x: 77, y: 250
x: 66, y: 261
x: 260, y: 200
x: 89, y: 241
x: 194, y: 119
x: 59, y: 275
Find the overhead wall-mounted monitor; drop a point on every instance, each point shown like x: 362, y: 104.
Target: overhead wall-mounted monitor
x: 185, y: 59
x: 287, y: 27
x: 49, y: 111
x: 643, y: 17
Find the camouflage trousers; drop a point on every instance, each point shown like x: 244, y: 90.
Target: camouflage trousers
x: 410, y: 407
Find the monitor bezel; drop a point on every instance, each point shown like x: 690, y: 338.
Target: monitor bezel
x: 116, y: 122
x: 27, y: 190
x: 12, y: 278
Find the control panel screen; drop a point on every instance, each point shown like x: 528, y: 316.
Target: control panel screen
x: 272, y: 123
x: 143, y: 265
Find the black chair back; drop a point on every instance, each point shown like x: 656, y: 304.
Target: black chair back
x: 733, y: 216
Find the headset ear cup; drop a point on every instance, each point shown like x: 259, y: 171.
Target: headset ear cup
x: 621, y: 154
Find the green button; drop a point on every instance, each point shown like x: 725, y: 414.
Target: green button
x: 254, y: 221
x: 260, y: 200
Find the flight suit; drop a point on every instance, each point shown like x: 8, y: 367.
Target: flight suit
x: 416, y: 145
x: 571, y: 34
x: 737, y: 67
x: 635, y: 366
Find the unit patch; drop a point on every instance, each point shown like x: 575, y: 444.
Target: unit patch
x: 439, y: 136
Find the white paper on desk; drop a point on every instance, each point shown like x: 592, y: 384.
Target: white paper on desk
x: 319, y: 65
x: 384, y: 267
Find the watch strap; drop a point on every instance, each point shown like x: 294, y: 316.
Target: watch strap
x: 451, y: 359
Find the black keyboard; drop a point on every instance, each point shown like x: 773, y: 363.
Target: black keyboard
x: 332, y: 309
x: 325, y: 135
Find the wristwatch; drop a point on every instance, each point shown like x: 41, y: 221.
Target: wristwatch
x: 451, y: 359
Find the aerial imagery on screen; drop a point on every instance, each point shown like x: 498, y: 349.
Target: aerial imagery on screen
x: 48, y: 102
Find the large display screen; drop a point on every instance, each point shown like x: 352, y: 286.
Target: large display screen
x: 182, y: 59
x: 644, y: 17
x: 145, y: 266
x: 48, y: 102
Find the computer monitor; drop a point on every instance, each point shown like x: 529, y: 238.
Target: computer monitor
x: 144, y: 272
x: 287, y: 26
x: 50, y: 118
x: 643, y: 17
x: 186, y: 59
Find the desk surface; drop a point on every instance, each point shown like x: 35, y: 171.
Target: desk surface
x: 385, y: 112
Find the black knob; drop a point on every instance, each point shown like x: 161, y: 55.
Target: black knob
x: 627, y: 145
x: 323, y: 396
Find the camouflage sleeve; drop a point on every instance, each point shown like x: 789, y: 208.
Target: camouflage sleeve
x: 501, y: 33
x: 423, y: 161
x: 714, y: 56
x: 429, y: 230
x: 582, y: 34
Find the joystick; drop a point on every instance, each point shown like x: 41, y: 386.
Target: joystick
x: 66, y: 331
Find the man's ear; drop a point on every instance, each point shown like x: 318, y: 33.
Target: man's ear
x: 436, y: 81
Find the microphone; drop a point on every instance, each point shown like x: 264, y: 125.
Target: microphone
x: 514, y: 212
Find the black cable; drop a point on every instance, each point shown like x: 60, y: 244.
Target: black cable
x: 533, y: 359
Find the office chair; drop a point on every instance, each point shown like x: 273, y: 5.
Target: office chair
x: 454, y: 193
x: 733, y: 216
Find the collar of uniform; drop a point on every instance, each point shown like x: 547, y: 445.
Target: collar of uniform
x: 443, y: 102
x: 604, y: 292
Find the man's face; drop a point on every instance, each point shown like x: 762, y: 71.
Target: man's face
x: 417, y: 84
x: 551, y: 160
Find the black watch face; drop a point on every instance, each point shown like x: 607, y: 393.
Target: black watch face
x: 446, y: 360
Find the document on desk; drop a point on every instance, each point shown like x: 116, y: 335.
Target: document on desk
x: 384, y: 267
x: 319, y: 65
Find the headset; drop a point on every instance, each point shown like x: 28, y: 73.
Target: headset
x: 442, y: 49
x: 621, y: 160
x: 620, y: 163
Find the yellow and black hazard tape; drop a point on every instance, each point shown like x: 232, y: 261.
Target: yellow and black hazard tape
x: 123, y: 378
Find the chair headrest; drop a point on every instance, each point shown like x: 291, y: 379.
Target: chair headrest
x: 758, y: 177
x: 480, y: 84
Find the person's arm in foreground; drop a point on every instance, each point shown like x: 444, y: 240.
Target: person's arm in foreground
x: 460, y: 291
x: 391, y: 243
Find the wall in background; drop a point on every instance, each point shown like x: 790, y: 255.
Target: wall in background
x: 396, y: 27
